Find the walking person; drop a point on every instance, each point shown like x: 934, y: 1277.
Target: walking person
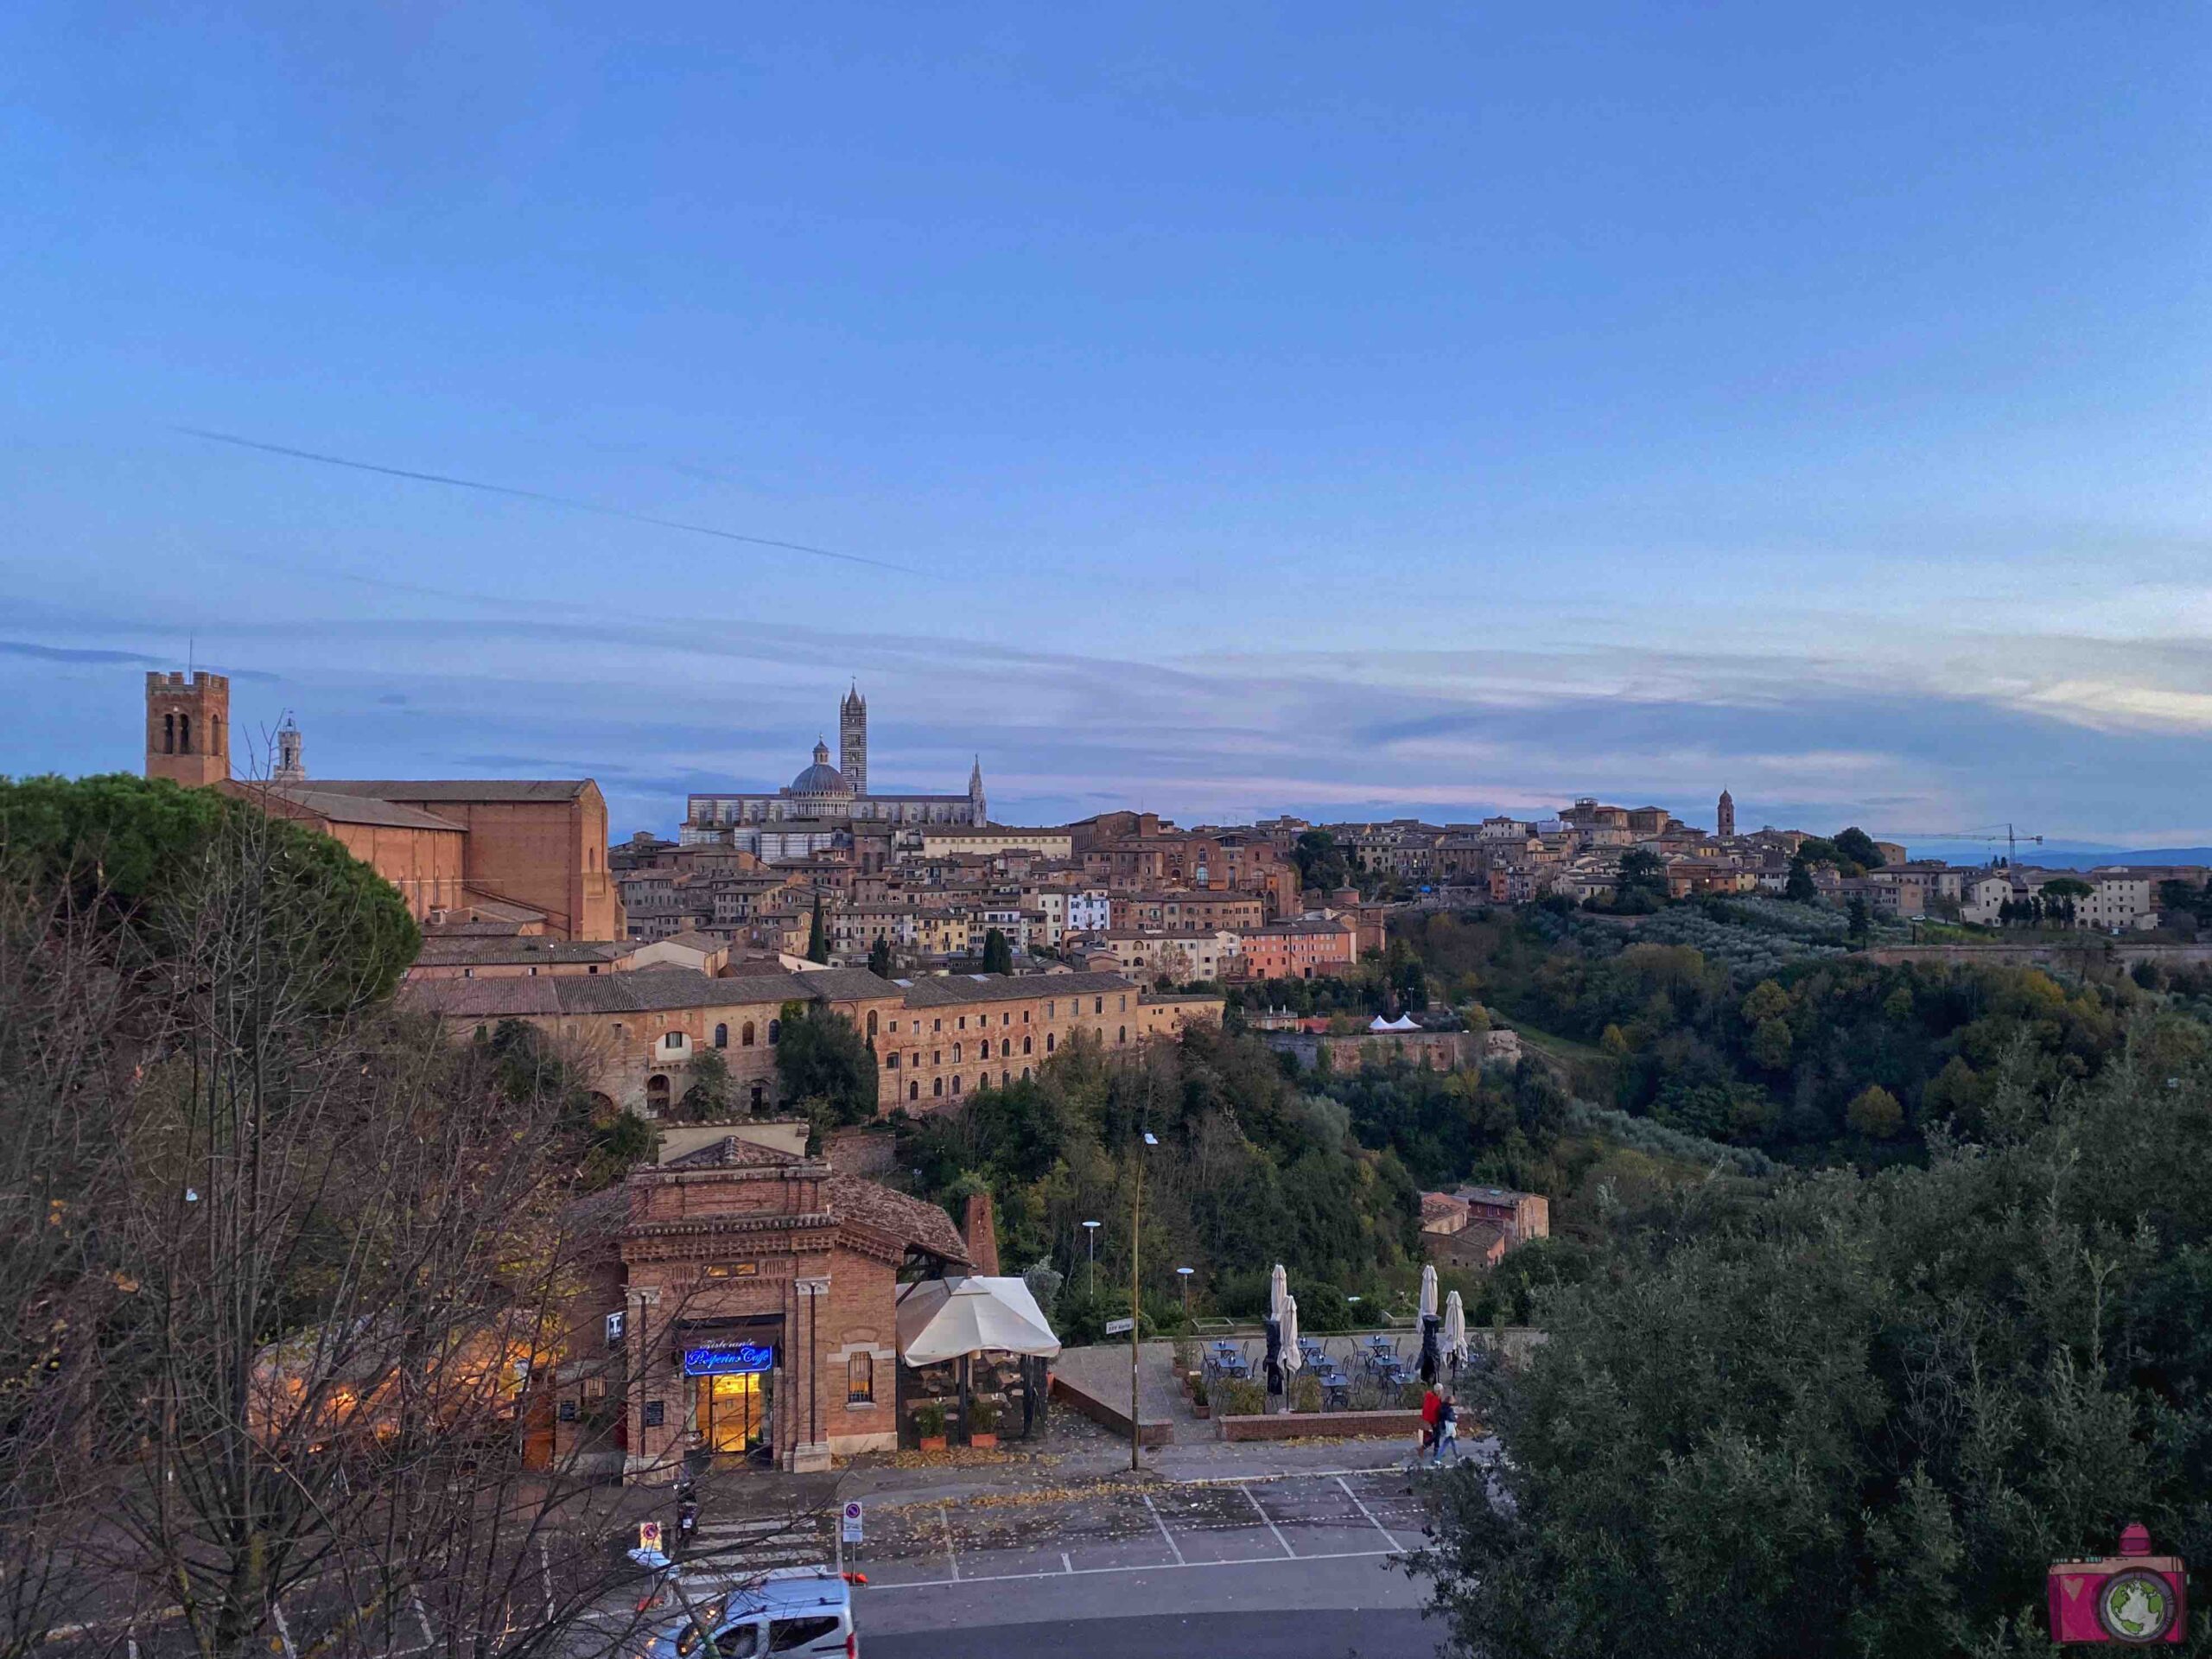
x: 1431, y: 1412
x: 1448, y: 1430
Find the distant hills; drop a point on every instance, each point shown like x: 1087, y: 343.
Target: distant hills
x: 2076, y: 858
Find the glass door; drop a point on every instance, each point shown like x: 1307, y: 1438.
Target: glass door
x: 733, y: 1412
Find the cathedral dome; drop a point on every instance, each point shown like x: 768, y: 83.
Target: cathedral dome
x: 822, y: 778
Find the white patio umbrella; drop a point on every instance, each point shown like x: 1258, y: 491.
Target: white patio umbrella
x: 1278, y: 1292
x: 1428, y: 1292
x: 1291, y: 1361
x: 1455, y: 1329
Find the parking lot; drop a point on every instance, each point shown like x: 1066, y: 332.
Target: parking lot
x: 1326, y: 1515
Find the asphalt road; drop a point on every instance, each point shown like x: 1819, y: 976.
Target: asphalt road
x: 1332, y: 1633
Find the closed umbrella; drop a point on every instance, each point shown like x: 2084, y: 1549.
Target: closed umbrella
x: 1455, y: 1331
x: 1429, y: 1365
x: 1278, y: 1291
x: 1291, y: 1357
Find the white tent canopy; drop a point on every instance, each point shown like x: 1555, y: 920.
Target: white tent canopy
x: 942, y: 1319
x: 1403, y: 1022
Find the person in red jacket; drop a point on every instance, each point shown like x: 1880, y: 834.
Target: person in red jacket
x: 1431, y: 1412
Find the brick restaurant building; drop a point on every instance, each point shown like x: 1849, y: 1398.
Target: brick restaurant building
x: 742, y: 1309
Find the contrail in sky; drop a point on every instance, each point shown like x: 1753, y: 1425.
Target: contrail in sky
x: 539, y: 495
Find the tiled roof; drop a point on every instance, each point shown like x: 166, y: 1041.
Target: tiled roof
x: 943, y: 991
x: 334, y: 805
x: 909, y: 1220
x: 456, y: 789
x: 439, y: 949
x: 653, y: 992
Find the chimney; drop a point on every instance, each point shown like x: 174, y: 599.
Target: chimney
x: 980, y: 1230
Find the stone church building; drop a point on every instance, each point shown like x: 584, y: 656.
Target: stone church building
x: 830, y: 798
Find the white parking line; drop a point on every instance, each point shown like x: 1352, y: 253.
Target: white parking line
x: 1066, y: 1565
x: 951, y: 1558
x: 1365, y: 1510
x: 284, y: 1630
x: 1173, y: 1545
x: 545, y: 1569
x: 1162, y: 1567
x: 1270, y: 1520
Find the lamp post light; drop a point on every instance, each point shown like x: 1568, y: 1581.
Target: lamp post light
x: 1184, y: 1275
x: 1090, y: 1236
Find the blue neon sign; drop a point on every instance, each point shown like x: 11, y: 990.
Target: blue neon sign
x: 729, y: 1358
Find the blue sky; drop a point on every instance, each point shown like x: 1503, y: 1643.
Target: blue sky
x: 1343, y: 410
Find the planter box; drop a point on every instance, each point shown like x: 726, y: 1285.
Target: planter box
x: 1297, y: 1425
x: 1200, y: 1408
x: 936, y: 1442
x: 983, y: 1441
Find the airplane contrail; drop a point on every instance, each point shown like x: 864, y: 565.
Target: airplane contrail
x: 539, y: 495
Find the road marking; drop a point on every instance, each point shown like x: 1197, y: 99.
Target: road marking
x: 945, y: 1520
x: 545, y: 1568
x: 423, y: 1616
x: 1286, y: 1474
x: 1162, y: 1567
x: 1365, y: 1510
x: 1270, y: 1520
x: 1066, y: 1565
x: 1174, y: 1548
x: 284, y: 1630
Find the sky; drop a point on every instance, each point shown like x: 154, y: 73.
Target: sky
x: 1226, y: 409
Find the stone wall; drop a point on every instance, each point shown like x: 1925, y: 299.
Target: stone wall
x: 1304, y: 1425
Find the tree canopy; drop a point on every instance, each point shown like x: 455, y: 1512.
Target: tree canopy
x: 1861, y: 1416
x: 149, y: 859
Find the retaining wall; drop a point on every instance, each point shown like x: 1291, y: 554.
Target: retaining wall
x: 1301, y: 1425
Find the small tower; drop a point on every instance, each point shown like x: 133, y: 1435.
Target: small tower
x: 290, y: 768
x: 1725, y: 822
x: 852, y: 739
x: 977, y: 814
x: 189, y: 727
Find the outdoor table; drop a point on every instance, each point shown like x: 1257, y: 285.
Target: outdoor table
x: 1232, y: 1365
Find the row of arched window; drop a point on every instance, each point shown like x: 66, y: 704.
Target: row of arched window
x: 744, y: 1034
x: 982, y: 1080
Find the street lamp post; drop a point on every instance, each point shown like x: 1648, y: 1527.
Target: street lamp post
x: 1184, y: 1274
x: 1136, y: 1313
x: 1090, y: 1236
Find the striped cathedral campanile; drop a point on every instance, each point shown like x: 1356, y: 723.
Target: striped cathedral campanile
x: 852, y: 739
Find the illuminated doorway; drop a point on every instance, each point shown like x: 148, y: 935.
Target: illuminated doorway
x: 733, y: 1411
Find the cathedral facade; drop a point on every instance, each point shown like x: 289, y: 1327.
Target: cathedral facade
x: 827, y: 799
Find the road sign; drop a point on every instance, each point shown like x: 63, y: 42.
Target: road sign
x: 1119, y: 1327
x: 648, y: 1535
x: 848, y: 1528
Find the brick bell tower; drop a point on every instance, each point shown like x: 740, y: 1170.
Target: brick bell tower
x: 189, y: 727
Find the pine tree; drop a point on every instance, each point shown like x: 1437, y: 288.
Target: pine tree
x: 879, y: 958
x: 817, y: 941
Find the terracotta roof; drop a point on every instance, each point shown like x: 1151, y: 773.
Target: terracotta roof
x: 638, y: 992
x: 336, y: 806
x: 909, y: 1220
x: 1441, y: 1206
x: 456, y: 789
x: 943, y: 991
x: 439, y: 949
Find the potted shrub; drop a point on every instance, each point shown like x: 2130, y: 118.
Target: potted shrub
x: 1198, y: 1406
x: 929, y: 1426
x: 983, y: 1423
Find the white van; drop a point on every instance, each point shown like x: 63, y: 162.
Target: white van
x: 805, y: 1612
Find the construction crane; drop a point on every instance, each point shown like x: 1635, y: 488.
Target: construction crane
x: 1994, y: 833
